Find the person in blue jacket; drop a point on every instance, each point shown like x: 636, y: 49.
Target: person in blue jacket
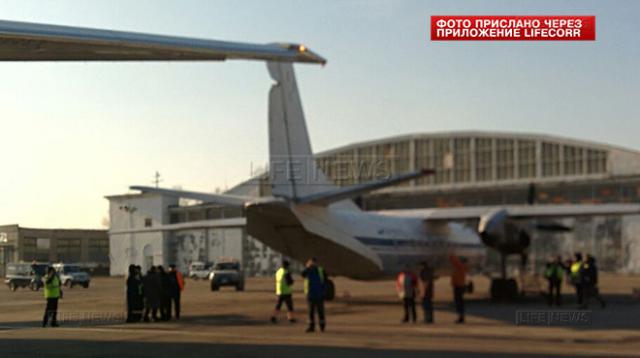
x: 314, y: 281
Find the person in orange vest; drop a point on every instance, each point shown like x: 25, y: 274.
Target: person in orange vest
x: 459, y: 283
x: 406, y: 284
x: 176, y: 287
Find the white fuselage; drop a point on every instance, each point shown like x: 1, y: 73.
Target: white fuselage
x: 366, y: 245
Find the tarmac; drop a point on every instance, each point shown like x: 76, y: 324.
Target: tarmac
x: 363, y: 321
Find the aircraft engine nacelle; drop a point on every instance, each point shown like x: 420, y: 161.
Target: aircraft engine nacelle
x: 499, y: 232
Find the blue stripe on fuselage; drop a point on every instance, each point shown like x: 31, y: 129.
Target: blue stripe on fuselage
x: 372, y: 241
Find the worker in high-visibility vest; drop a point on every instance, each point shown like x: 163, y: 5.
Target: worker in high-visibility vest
x: 314, y: 289
x: 284, y: 292
x: 574, y: 274
x: 52, y: 295
x: 554, y: 273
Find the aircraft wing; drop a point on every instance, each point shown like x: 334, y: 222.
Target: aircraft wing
x: 520, y: 211
x: 332, y: 196
x: 228, y: 200
x: 22, y: 41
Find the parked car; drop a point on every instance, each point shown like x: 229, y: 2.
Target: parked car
x: 25, y: 275
x: 227, y: 273
x: 71, y: 275
x: 199, y: 270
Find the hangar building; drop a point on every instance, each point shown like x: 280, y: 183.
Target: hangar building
x: 88, y: 248
x: 489, y: 168
x: 472, y: 168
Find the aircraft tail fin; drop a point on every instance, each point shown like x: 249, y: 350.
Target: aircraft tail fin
x: 293, y: 171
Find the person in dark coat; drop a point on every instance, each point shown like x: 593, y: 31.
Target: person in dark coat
x: 176, y: 283
x: 152, y: 293
x: 406, y: 284
x: 589, y: 282
x: 165, y: 294
x: 314, y: 285
x: 135, y: 298
x: 426, y: 279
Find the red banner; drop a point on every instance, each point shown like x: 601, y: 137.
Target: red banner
x: 513, y: 28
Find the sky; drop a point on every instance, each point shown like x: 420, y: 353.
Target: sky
x: 75, y: 132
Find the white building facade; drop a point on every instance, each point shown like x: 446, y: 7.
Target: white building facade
x: 142, y: 233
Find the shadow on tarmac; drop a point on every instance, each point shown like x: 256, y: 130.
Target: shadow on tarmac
x: 618, y: 313
x: 80, y: 348
x: 213, y: 320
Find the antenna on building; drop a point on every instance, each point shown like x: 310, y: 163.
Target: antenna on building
x: 157, y: 179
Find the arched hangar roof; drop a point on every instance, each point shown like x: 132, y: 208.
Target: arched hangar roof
x: 471, y: 158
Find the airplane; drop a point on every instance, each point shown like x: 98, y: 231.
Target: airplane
x: 307, y: 214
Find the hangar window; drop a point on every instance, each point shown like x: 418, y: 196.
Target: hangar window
x: 596, y: 161
x: 424, y: 159
x: 99, y: 250
x: 442, y: 153
x: 325, y: 165
x: 573, y: 160
x: 484, y: 159
x: 365, y: 166
x: 526, y: 159
x: 385, y: 154
x: 462, y: 159
x: 342, y: 169
x: 69, y: 250
x: 400, y: 159
x: 550, y: 159
x: 322, y: 163
x: 504, y: 159
x: 35, y: 249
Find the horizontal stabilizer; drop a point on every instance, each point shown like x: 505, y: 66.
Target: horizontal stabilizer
x: 332, y: 196
x: 227, y: 200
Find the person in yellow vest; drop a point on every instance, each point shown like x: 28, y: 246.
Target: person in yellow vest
x: 52, y: 295
x: 284, y: 291
x: 554, y: 273
x: 574, y: 275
